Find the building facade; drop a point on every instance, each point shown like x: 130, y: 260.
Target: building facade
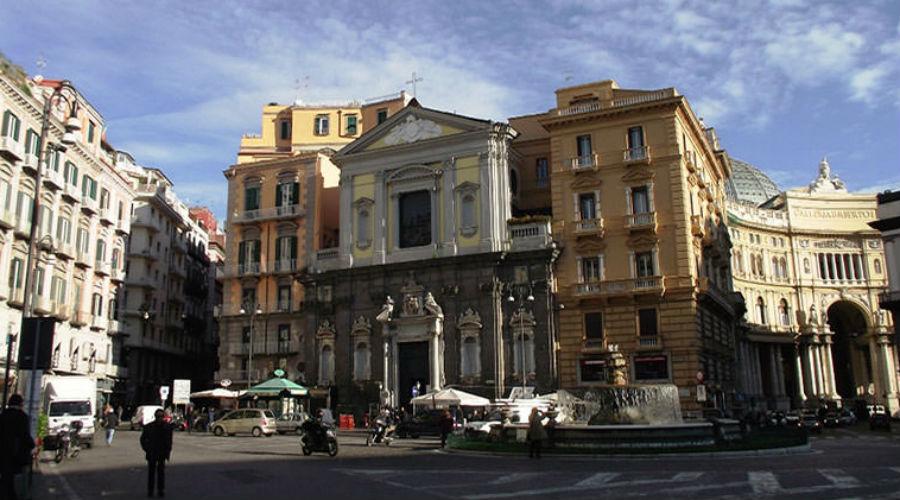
x: 434, y: 283
x: 889, y: 224
x: 811, y: 271
x: 166, y: 299
x: 282, y: 216
x: 84, y: 222
x: 637, y: 196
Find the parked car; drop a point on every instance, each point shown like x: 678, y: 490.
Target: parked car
x: 792, y: 418
x: 832, y: 419
x: 847, y: 417
x: 483, y: 426
x: 291, y: 422
x: 879, y: 419
x: 810, y: 421
x: 143, y: 415
x: 246, y: 420
x: 424, y: 424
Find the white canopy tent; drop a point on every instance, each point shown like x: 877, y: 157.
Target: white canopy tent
x: 217, y: 393
x: 449, y: 397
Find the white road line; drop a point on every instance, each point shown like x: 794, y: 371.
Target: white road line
x: 839, y: 478
x: 895, y: 469
x: 763, y: 482
x: 687, y: 476
x: 515, y: 477
x: 598, y: 479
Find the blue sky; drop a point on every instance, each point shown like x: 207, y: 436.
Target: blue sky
x: 785, y: 82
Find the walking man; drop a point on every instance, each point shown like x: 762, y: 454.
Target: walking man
x: 16, y: 444
x: 536, y: 433
x: 112, y: 421
x: 156, y: 441
x: 446, y: 425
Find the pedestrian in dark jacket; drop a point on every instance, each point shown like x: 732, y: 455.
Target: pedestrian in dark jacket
x: 112, y: 421
x: 446, y: 425
x: 536, y: 433
x: 156, y: 441
x: 16, y: 444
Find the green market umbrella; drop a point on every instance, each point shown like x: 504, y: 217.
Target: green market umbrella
x: 275, y: 387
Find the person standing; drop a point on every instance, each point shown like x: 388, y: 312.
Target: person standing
x: 156, y: 441
x: 536, y: 433
x: 446, y: 426
x: 112, y: 421
x: 16, y: 444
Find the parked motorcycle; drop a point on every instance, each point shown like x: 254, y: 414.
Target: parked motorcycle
x: 380, y: 432
x: 67, y: 442
x: 318, y: 437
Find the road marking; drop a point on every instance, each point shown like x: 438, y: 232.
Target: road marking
x: 597, y: 479
x: 895, y: 469
x: 763, y: 482
x: 514, y: 477
x: 66, y: 487
x: 839, y: 478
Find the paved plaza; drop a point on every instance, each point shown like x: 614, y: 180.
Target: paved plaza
x: 842, y: 463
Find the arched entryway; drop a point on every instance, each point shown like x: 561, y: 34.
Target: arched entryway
x: 850, y: 350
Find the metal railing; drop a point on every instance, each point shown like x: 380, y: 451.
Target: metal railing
x: 283, y: 265
x: 643, y: 219
x: 592, y: 106
x: 615, y: 287
x: 268, y: 213
x: 589, y: 225
x: 587, y: 162
x: 530, y: 235
x: 640, y: 153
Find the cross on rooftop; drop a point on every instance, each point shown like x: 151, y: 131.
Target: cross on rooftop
x: 412, y: 82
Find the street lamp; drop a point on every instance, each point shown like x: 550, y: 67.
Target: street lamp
x: 65, y: 96
x: 522, y: 300
x: 256, y: 310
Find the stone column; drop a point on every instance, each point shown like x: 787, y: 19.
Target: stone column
x: 779, y: 360
x: 888, y: 373
x: 820, y: 372
x: 876, y: 371
x: 436, y: 359
x: 379, y: 237
x: 799, y: 363
x: 773, y: 372
x: 810, y: 371
x: 829, y: 367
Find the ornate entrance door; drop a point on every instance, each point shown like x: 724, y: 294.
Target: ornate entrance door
x: 412, y: 359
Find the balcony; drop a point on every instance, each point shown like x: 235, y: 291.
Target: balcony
x: 283, y: 265
x: 80, y: 318
x: 30, y: 163
x: 106, y: 216
x: 650, y: 342
x: 273, y: 213
x: 83, y: 258
x: 61, y: 311
x: 17, y: 297
x: 7, y: 219
x: 65, y: 250
x: 145, y: 253
x: 178, y: 270
x: 141, y: 281
x: 53, y: 179
x: 583, y: 163
x: 42, y: 305
x: 71, y: 192
x: 99, y: 323
x: 144, y: 220
x: 589, y: 227
x: 529, y: 235
x: 122, y: 227
x: 639, y: 154
x: 22, y: 227
x: 117, y: 275
x: 114, y: 326
x: 641, y: 221
x: 180, y: 246
x: 652, y: 284
x: 263, y: 347
x: 282, y: 307
x: 251, y: 269
x: 690, y: 161
x: 326, y: 259
x: 102, y: 268
x: 89, y: 205
x: 11, y: 149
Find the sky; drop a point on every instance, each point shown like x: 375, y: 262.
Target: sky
x: 785, y: 82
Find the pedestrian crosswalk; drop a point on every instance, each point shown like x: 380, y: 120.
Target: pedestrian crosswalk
x: 496, y: 485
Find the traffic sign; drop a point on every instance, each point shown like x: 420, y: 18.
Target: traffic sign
x: 182, y: 391
x: 164, y: 393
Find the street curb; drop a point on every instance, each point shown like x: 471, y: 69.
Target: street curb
x: 791, y: 450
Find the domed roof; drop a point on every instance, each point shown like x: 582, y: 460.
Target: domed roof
x: 749, y: 184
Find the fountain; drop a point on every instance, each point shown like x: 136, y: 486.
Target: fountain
x: 655, y: 404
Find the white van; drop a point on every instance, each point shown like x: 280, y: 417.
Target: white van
x: 70, y: 398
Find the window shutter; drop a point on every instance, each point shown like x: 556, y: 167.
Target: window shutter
x: 650, y: 203
x: 6, y: 123
x: 629, y: 209
x: 576, y: 210
x: 278, y: 194
x: 278, y: 243
x: 295, y: 193
x: 242, y: 253
x: 256, y: 251
x: 579, y: 269
x: 293, y: 241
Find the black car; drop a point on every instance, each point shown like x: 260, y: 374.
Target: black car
x: 423, y: 424
x: 880, y: 419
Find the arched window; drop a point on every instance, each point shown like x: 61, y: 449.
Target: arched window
x: 326, y: 366
x: 761, y: 310
x: 877, y: 266
x: 513, y: 182
x: 738, y: 262
x: 784, y: 312
x: 525, y: 342
x: 753, y: 264
x: 469, y: 356
x: 782, y: 267
x: 361, y: 362
x: 775, y: 271
x: 759, y: 265
x: 806, y: 268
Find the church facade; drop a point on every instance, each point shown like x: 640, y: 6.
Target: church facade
x: 433, y: 283
x: 810, y: 270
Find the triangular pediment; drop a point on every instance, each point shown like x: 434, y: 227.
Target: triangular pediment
x: 590, y: 246
x: 412, y: 125
x: 636, y: 174
x: 642, y: 241
x: 585, y: 181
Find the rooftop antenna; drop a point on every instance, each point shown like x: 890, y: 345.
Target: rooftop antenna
x: 41, y: 63
x: 413, y: 81
x: 300, y: 86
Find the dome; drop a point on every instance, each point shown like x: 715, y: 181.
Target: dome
x: 749, y: 184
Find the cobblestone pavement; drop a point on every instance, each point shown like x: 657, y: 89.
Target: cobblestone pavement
x: 842, y: 463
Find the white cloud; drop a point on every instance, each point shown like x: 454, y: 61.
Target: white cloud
x: 865, y: 83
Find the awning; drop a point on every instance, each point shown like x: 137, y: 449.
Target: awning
x: 217, y: 393
x: 450, y: 397
x: 277, y: 386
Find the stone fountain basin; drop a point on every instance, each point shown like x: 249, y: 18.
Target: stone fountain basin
x: 631, y: 436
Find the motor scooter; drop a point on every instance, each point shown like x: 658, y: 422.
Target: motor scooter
x: 381, y: 432
x: 315, y: 436
x: 67, y: 442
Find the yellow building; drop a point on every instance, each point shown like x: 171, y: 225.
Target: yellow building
x: 282, y: 209
x: 638, y: 186
x: 810, y: 269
